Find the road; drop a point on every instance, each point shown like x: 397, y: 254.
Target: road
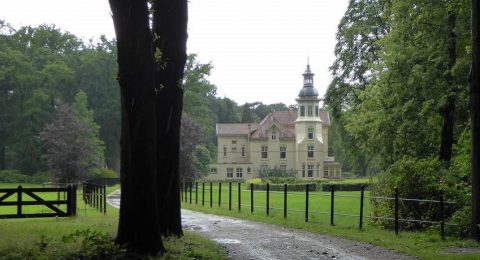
x: 253, y: 240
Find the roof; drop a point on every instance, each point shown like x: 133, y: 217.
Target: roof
x: 235, y: 129
x: 284, y: 121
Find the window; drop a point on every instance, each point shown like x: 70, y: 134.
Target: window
x: 249, y: 170
x: 317, y: 172
x: 229, y: 172
x: 310, y: 170
x: 224, y: 151
x: 316, y: 111
x: 283, y: 152
x: 303, y: 170
x: 310, y: 152
x: 213, y: 170
x: 234, y: 148
x: 234, y: 141
x: 264, y: 152
x: 239, y: 173
x: 243, y: 151
x: 283, y: 168
x: 325, y: 172
x: 310, y: 111
x: 310, y: 133
x: 302, y: 110
x: 274, y: 135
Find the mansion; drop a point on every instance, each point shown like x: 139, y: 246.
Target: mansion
x: 293, y: 141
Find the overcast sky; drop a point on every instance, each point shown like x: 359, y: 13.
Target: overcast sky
x: 259, y: 48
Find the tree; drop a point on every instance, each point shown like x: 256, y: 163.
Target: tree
x: 70, y: 150
x: 475, y: 120
x: 151, y: 59
x: 193, y: 156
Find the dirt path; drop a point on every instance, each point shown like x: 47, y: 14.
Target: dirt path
x: 252, y: 240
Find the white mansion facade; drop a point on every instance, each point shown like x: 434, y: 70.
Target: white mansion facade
x: 294, y: 141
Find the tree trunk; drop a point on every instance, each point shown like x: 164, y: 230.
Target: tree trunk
x: 138, y: 226
x: 475, y: 120
x: 449, y: 109
x: 170, y: 23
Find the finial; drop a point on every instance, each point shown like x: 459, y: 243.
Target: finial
x: 308, y: 61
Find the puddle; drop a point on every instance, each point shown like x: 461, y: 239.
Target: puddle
x: 227, y: 241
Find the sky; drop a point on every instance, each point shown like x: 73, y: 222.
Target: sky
x: 258, y: 48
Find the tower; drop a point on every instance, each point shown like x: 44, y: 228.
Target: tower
x: 308, y: 130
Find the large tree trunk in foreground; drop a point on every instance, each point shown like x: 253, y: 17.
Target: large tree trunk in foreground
x: 475, y: 120
x: 151, y: 63
x: 138, y: 226
x: 449, y: 109
x: 170, y: 22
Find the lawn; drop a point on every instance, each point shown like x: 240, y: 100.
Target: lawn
x: 45, y: 238
x: 427, y: 244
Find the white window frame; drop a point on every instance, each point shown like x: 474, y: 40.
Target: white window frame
x: 310, y: 151
x: 310, y: 170
x: 239, y: 173
x: 229, y: 173
x: 310, y: 133
x: 264, y: 153
x: 283, y: 151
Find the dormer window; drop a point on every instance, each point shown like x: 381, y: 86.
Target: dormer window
x: 274, y: 135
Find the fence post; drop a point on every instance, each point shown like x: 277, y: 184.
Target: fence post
x: 361, y: 206
x: 268, y: 199
x: 203, y: 194
x: 19, y: 201
x: 74, y: 211
x: 211, y: 195
x: 285, y: 200
x: 396, y: 211
x: 229, y: 196
x: 96, y: 195
x: 196, y: 193
x: 104, y: 199
x: 69, y: 200
x: 251, y: 197
x: 442, y: 222
x: 306, y: 202
x: 100, y: 197
x: 239, y: 196
x: 332, y: 204
x: 219, y: 194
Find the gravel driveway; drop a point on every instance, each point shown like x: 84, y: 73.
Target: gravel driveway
x: 252, y: 240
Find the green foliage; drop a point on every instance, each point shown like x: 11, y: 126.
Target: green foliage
x: 94, y: 244
x: 13, y: 176
x: 104, y: 173
x: 415, y: 179
x: 275, y: 172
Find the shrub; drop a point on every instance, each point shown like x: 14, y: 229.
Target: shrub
x: 415, y: 179
x: 104, y: 173
x: 13, y: 176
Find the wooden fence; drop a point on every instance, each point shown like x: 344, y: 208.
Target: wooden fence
x: 95, y: 196
x: 193, y: 188
x: 70, y: 200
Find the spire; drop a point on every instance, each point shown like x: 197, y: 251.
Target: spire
x: 308, y: 76
x: 308, y: 89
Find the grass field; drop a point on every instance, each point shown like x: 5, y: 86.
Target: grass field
x: 43, y: 238
x: 427, y: 244
x: 346, y: 204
